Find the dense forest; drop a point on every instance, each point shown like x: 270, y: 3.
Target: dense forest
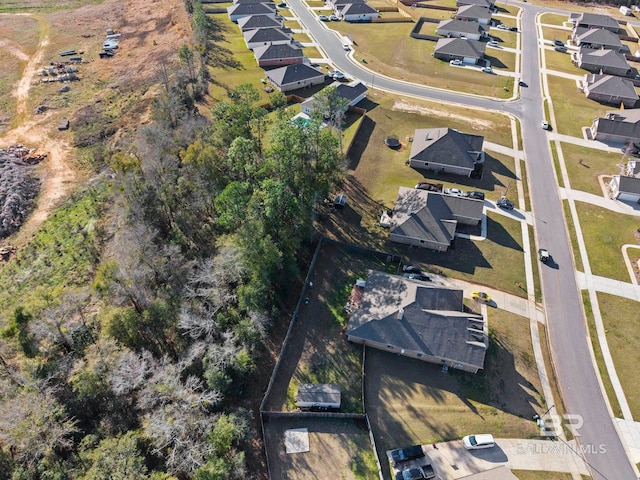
x: 133, y: 319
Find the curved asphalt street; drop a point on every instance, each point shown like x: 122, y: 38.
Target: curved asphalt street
x: 568, y: 335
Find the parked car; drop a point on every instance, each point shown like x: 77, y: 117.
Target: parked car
x: 502, y: 26
x: 543, y: 254
x: 513, y: 29
x: 505, y: 203
x: 454, y: 191
x: 493, y: 43
x: 545, y: 125
x: 337, y: 75
x: 487, y: 69
x: 424, y: 472
x: 346, y: 47
x: 324, y: 18
x: 430, y: 186
x: 558, y: 43
x: 334, y: 18
x: 481, y: 297
x: 473, y: 442
x: 561, y: 49
x: 417, y: 276
x: 411, y: 269
x: 456, y: 61
x: 282, y: 5
x: 405, y: 454
x: 476, y: 195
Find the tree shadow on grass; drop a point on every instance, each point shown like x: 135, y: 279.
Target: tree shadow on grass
x: 360, y: 142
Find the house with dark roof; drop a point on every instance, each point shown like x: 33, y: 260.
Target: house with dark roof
x: 258, y: 21
x: 429, y: 219
x: 293, y: 77
x: 240, y: 2
x: 278, y: 55
x: 461, y: 28
x: 266, y: 36
x: 410, y: 318
x: 236, y: 12
x: 603, y: 61
x: 446, y: 150
x: 337, y: 5
x: 474, y: 13
x: 609, y: 89
x: 626, y: 189
x: 599, y: 38
x: 482, y: 3
x: 617, y: 126
x: 468, y: 51
x: 352, y: 93
x: 596, y: 20
x: 358, y: 12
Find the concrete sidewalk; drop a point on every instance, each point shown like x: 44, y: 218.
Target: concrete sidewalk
x: 608, y: 285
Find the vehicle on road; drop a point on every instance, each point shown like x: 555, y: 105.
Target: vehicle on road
x: 457, y: 61
x: 505, y: 203
x: 543, y: 254
x: 346, y: 46
x: 545, y: 125
x: 473, y: 442
x: 522, y: 84
x: 417, y: 276
x: 558, y: 43
x: 475, y: 195
x: 481, y: 297
x: 324, y: 18
x: 401, y: 455
x: 454, y: 191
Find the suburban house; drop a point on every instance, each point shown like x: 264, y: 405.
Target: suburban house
x: 258, y: 21
x: 320, y: 396
x: 482, y: 3
x: 337, y: 5
x: 596, y: 20
x: 626, y: 189
x: 599, y: 38
x: 618, y: 126
x: 266, y: 36
x: 461, y: 28
x: 409, y: 318
x: 474, y: 13
x: 429, y: 219
x: 446, y: 150
x: 469, y: 51
x: 358, y: 12
x: 278, y: 55
x: 293, y: 77
x: 603, y: 61
x: 236, y: 12
x: 353, y: 93
x: 610, y: 89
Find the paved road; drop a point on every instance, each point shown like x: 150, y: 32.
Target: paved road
x: 569, y: 338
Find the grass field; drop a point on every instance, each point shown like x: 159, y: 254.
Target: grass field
x: 584, y: 165
x: 623, y: 334
x: 390, y: 50
x: 561, y: 62
x: 571, y: 229
x: 537, y: 475
x: 551, y: 33
x: 604, y: 233
x: 572, y: 109
x: 553, y: 19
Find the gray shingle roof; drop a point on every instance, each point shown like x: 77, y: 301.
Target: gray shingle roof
x: 462, y: 26
x: 619, y: 128
x: 292, y: 73
x: 598, y: 36
x: 350, y: 92
x: 358, y: 9
x: 258, y: 21
x: 445, y: 146
x: 273, y: 34
x: 474, y: 11
x: 611, y: 85
x: 597, y: 20
x: 629, y: 184
x: 407, y: 315
x: 604, y: 58
x: 460, y: 47
x: 274, y: 52
x: 252, y: 9
x: 483, y: 3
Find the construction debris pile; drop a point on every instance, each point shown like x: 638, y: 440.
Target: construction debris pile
x: 111, y: 44
x: 60, y: 72
x: 18, y: 186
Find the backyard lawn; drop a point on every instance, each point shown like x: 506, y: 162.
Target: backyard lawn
x: 572, y: 109
x: 553, y: 19
x: 561, y: 62
x: 584, y: 165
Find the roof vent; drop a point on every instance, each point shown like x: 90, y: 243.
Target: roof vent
x: 400, y: 314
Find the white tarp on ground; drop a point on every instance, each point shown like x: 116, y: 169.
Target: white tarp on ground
x: 296, y: 440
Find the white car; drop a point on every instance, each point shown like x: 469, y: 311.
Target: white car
x: 323, y: 18
x: 545, y: 125
x: 457, y: 61
x: 473, y: 442
x: 454, y: 191
x: 345, y: 46
x: 487, y: 69
x: 337, y: 75
x: 502, y: 26
x: 493, y: 43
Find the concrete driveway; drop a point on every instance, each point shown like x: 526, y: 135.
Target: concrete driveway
x: 451, y: 460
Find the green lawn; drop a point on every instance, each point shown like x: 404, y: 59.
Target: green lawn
x: 551, y: 33
x: 508, y: 9
x: 621, y: 318
x: 540, y: 475
x: 389, y: 50
x: 597, y: 353
x: 311, y: 52
x: 553, y: 19
x: 604, y: 233
x: 561, y: 62
x: 573, y: 110
x: 572, y: 236
x: 507, y: 39
x: 584, y: 165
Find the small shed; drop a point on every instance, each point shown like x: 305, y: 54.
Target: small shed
x: 340, y: 201
x: 63, y: 125
x: 321, y: 396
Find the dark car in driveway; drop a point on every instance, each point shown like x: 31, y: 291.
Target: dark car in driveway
x: 401, y: 455
x: 475, y: 195
x: 411, y: 269
x: 425, y: 472
x: 417, y: 276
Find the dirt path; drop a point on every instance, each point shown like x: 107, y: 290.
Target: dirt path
x: 57, y: 175
x: 13, y: 49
